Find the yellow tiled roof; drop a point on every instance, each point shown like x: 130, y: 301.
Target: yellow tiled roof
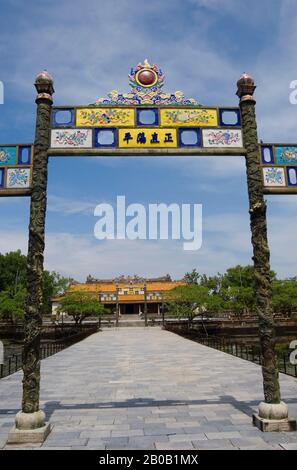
x: 111, y: 287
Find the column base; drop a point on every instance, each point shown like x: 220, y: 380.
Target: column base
x: 25, y: 436
x: 273, y: 417
x: 29, y: 428
x: 274, y: 425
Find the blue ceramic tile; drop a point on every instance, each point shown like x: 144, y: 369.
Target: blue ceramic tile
x: 147, y: 117
x: 229, y: 117
x: 292, y: 176
x: 8, y: 156
x: 1, y: 177
x: 63, y: 117
x: 267, y: 154
x: 105, y: 137
x: 24, y: 157
x: 189, y: 137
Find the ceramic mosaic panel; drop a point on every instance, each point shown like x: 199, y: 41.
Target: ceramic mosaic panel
x: 18, y: 178
x: 286, y: 155
x: 15, y: 169
x: 71, y: 138
x: 222, y: 138
x: 178, y: 117
x: 96, y: 117
x: 144, y: 137
x: 274, y: 177
x: 8, y: 156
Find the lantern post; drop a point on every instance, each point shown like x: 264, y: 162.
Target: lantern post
x: 30, y: 425
x: 273, y: 413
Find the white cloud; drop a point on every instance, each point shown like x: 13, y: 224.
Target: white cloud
x: 69, y: 206
x: 226, y: 243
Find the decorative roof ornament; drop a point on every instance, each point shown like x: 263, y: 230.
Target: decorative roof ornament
x: 146, y: 82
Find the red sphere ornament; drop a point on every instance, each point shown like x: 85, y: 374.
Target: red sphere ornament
x: 146, y: 77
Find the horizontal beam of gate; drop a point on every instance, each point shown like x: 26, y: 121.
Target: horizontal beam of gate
x: 133, y: 152
x: 278, y: 162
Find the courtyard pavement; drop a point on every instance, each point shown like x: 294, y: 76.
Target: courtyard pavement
x: 137, y: 388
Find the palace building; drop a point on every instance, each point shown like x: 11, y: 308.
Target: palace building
x: 127, y: 295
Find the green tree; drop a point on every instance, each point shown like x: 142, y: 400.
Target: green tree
x: 192, y: 277
x: 12, y: 305
x: 13, y: 267
x: 240, y: 300
x: 284, y: 299
x: 13, y: 278
x: 80, y: 305
x: 53, y: 284
x: 187, y: 301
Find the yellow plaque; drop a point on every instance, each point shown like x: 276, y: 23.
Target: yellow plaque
x: 105, y: 117
x: 144, y: 137
x: 183, y: 117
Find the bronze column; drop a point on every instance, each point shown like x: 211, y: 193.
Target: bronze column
x: 273, y: 413
x: 30, y: 422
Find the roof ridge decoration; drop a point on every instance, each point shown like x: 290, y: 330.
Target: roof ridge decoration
x: 128, y: 279
x: 146, y: 82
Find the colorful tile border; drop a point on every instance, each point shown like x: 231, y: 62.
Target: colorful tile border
x: 16, y: 169
x: 129, y: 116
x: 146, y: 136
x: 279, y: 167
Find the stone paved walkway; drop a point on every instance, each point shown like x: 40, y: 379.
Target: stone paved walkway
x: 136, y: 388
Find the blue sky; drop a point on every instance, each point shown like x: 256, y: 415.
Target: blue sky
x: 202, y: 46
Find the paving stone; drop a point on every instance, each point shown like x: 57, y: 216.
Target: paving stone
x: 116, y: 441
x: 214, y: 444
x: 65, y: 443
x: 174, y: 445
x: 158, y: 431
x: 95, y: 434
x: 128, y: 433
x: 247, y: 442
x: 278, y: 438
x: 263, y: 446
x: 223, y: 435
x: 187, y: 437
x: 65, y: 436
x: 146, y: 442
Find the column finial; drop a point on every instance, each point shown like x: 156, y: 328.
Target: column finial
x: 246, y: 87
x: 44, y: 85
